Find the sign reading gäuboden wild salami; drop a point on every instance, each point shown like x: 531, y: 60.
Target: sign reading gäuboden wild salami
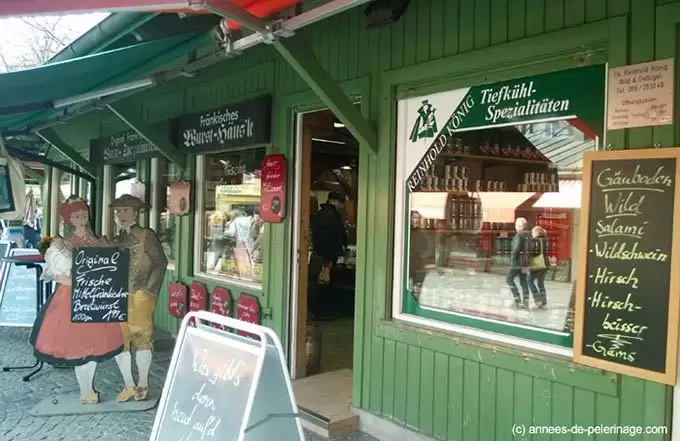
x: 238, y: 125
x: 427, y: 123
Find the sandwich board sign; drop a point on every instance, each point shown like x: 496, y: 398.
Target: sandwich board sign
x: 223, y: 386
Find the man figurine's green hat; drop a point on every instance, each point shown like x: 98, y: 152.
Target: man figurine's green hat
x: 128, y: 201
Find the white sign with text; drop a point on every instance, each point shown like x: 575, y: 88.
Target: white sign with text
x: 640, y: 95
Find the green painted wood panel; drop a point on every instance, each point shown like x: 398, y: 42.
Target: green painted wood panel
x: 535, y: 19
x: 442, y: 385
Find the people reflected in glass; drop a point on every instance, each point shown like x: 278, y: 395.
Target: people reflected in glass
x: 519, y: 264
x: 539, y: 266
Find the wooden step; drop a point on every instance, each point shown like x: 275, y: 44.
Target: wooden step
x: 324, y: 401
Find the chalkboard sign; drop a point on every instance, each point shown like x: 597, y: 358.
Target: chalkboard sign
x: 100, y: 285
x: 221, y: 386
x: 19, y: 299
x: 627, y: 292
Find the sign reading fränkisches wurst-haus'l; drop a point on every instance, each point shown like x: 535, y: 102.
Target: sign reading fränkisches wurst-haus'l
x: 238, y: 125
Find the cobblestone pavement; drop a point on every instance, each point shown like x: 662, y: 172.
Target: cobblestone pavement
x: 18, y: 398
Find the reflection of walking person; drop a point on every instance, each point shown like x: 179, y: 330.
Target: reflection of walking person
x: 420, y: 250
x: 519, y: 264
x: 539, y: 266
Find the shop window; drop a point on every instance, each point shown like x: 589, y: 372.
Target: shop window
x: 166, y: 228
x: 231, y: 230
x: 488, y: 202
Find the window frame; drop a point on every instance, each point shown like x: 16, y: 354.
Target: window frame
x: 199, y: 215
x: 523, y: 336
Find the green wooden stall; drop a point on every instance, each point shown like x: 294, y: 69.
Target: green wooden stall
x: 438, y: 383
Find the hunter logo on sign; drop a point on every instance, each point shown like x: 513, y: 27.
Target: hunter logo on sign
x: 426, y: 124
x: 433, y: 119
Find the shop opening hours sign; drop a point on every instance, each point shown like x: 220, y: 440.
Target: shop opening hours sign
x: 627, y: 296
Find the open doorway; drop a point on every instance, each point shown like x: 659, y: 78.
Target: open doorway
x: 324, y: 290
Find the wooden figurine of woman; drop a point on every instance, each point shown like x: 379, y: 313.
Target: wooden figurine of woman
x: 55, y: 339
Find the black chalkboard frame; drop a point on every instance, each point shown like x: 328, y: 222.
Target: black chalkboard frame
x: 669, y: 375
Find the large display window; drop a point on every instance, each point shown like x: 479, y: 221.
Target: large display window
x: 488, y: 202
x: 229, y: 230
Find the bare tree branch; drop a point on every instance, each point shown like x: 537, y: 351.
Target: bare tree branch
x: 44, y: 37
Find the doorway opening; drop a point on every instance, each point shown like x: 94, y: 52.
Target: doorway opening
x: 324, y: 288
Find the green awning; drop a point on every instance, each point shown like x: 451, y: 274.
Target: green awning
x: 27, y: 96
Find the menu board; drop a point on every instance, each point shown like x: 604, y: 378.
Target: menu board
x: 273, y: 188
x: 627, y: 298
x: 19, y: 297
x: 208, y: 395
x: 100, y: 285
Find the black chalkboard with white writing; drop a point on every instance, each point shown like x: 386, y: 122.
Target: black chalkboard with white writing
x: 627, y: 282
x: 209, y: 391
x: 100, y: 285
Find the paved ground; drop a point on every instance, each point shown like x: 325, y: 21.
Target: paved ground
x: 18, y: 398
x: 487, y: 295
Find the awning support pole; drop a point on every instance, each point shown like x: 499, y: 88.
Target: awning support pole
x: 297, y: 52
x: 151, y: 135
x: 41, y: 159
x: 34, y: 175
x: 230, y: 11
x: 51, y: 137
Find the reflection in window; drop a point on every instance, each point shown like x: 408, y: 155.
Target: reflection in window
x: 233, y: 231
x: 166, y: 224
x: 489, y: 235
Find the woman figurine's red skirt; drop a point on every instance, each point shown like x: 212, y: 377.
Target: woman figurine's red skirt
x: 56, y: 340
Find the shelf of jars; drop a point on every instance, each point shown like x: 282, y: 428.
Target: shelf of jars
x: 459, y: 179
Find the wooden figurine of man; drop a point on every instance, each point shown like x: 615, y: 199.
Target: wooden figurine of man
x: 147, y: 268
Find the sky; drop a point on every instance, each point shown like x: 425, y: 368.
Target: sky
x: 14, y: 33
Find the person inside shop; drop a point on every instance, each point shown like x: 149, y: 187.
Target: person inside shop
x: 519, y: 264
x: 418, y: 257
x: 257, y: 236
x: 329, y: 241
x: 539, y: 266
x: 239, y: 228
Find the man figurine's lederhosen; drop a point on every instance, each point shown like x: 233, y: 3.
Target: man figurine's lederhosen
x: 147, y: 269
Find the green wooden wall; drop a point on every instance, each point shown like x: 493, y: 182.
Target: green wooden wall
x: 443, y: 385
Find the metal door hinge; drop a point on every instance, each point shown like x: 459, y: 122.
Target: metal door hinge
x: 267, y: 313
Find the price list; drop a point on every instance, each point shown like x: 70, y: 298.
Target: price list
x: 627, y: 279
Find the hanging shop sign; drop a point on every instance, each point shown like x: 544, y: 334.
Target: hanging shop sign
x: 627, y: 293
x: 243, y: 124
x: 122, y: 147
x: 220, y: 303
x: 198, y: 297
x: 178, y: 198
x: 273, y: 188
x: 248, y: 310
x: 640, y: 95
x: 429, y: 125
x: 178, y: 300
